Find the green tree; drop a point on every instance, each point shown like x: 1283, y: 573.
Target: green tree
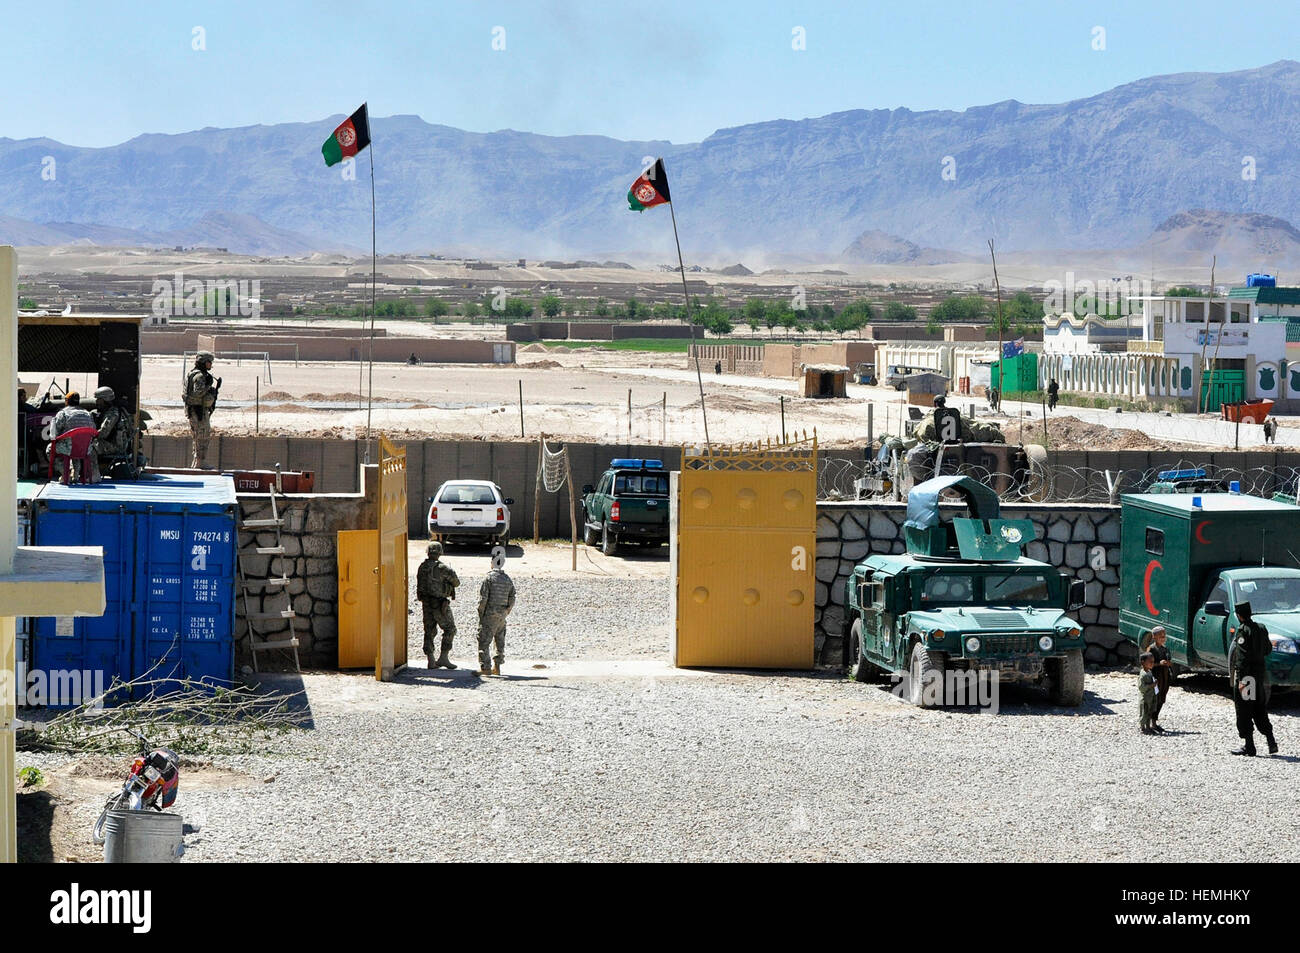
x: 897, y: 311
x: 435, y: 308
x: 550, y: 305
x: 602, y: 308
x: 1182, y: 291
x: 632, y: 308
x: 755, y: 311
x: 964, y: 309
x: 27, y: 304
x: 518, y: 308
x: 470, y: 309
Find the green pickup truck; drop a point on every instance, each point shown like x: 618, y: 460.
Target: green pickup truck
x: 628, y: 505
x: 962, y: 603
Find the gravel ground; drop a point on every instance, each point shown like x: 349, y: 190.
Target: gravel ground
x: 726, y: 766
x: 574, y: 755
x: 558, y: 614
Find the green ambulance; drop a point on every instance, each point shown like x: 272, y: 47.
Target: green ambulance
x: 1187, y: 559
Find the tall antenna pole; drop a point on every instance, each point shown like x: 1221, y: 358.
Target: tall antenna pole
x: 996, y: 284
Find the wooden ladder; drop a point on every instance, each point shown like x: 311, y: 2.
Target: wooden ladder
x: 259, y: 641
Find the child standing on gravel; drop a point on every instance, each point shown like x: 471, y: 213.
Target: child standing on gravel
x: 1147, y: 689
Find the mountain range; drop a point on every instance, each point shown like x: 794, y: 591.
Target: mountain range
x: 865, y: 185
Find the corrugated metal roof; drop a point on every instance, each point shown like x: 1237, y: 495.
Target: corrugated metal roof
x: 1266, y: 295
x: 162, y: 489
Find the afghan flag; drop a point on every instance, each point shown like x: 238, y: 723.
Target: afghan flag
x: 352, y: 135
x: 650, y: 188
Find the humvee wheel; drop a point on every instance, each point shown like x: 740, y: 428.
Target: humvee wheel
x: 864, y: 671
x: 924, y: 670
x: 1067, y: 679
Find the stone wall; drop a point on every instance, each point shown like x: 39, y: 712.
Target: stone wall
x: 1065, y: 537
x: 310, y: 539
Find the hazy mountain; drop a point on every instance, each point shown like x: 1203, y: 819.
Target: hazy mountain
x: 1101, y: 172
x: 874, y: 247
x: 245, y: 234
x: 1238, y: 238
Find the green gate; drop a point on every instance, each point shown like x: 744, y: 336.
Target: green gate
x: 1223, y: 387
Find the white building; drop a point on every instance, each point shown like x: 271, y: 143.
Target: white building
x: 1200, y: 350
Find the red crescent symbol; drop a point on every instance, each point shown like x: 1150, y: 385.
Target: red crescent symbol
x: 1199, y: 527
x: 1146, y: 585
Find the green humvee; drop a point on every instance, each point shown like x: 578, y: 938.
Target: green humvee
x: 1186, y: 561
x: 964, y: 597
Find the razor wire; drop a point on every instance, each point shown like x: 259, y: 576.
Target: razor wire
x: 840, y: 478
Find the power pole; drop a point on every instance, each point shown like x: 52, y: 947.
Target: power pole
x: 1002, y: 389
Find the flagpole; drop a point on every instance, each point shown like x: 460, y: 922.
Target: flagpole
x: 681, y: 265
x: 374, y: 270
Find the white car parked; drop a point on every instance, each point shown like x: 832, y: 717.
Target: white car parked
x: 470, y: 511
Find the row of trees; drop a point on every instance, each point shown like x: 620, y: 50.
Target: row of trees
x: 1020, y: 314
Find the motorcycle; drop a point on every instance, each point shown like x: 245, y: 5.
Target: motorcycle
x: 152, y: 783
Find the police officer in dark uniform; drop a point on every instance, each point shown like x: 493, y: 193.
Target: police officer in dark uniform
x: 1249, y: 673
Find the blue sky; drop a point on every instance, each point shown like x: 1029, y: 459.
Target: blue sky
x: 97, y: 73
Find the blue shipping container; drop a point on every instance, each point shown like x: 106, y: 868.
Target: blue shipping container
x: 169, y: 577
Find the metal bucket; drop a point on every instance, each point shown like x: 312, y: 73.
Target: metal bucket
x: 143, y: 837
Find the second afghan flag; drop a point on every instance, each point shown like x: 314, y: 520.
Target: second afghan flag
x: 650, y: 188
x: 352, y: 135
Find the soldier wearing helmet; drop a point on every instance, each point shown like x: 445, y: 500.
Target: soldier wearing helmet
x: 113, y: 423
x: 200, y: 396
x: 435, y: 587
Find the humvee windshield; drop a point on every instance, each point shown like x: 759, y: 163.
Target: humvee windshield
x: 945, y: 588
x: 1270, y: 595
x: 1019, y: 588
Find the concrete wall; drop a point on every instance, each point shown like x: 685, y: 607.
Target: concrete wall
x: 312, y: 523
x: 783, y: 360
x: 390, y: 349
x: 622, y: 332
x: 735, y: 358
x: 1065, y: 537
x: 512, y: 465
x: 594, y: 331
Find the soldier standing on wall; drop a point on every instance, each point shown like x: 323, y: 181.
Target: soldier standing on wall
x: 1249, y: 674
x: 200, y: 396
x: 496, y: 597
x: 435, y: 587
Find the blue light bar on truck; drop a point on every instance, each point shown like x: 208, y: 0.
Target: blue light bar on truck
x: 1181, y: 474
x: 634, y: 463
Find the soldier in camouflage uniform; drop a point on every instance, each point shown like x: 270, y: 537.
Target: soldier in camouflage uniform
x: 114, y: 426
x: 435, y: 587
x: 200, y: 396
x: 496, y: 597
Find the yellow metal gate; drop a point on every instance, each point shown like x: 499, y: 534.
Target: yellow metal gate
x: 358, y: 597
x: 392, y: 561
x: 744, y: 556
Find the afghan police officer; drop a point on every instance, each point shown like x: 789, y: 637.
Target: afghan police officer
x: 435, y: 587
x: 200, y: 396
x: 496, y: 597
x: 114, y: 426
x: 1249, y: 673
